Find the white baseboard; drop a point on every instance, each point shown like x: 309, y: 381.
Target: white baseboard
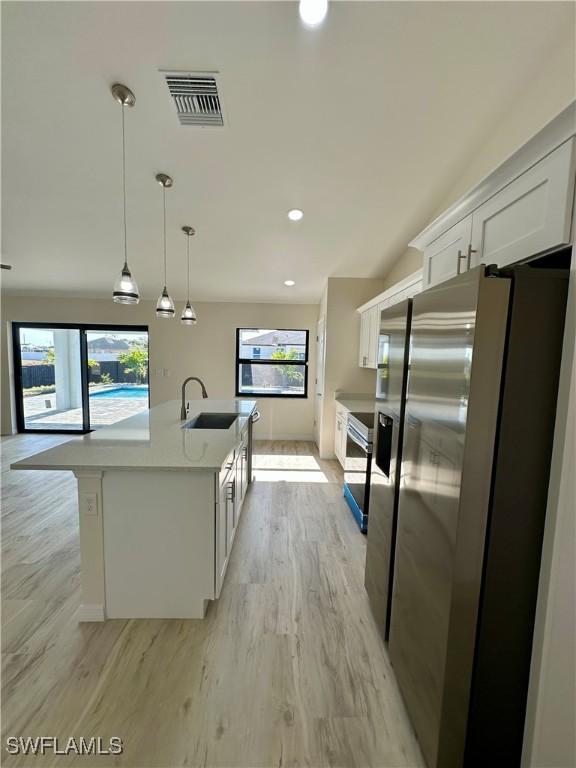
x: 91, y: 613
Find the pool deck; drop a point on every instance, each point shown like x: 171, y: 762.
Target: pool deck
x: 103, y: 411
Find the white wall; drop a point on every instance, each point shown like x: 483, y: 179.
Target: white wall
x: 410, y: 262
x: 550, y: 91
x: 341, y: 369
x: 206, y: 350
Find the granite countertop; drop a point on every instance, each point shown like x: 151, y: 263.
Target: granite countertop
x: 150, y: 440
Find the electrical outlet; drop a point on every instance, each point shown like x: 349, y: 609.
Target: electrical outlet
x: 90, y: 504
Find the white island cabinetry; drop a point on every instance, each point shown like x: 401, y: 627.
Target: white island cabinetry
x: 159, y: 506
x: 231, y: 490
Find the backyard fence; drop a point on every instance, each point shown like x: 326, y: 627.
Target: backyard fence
x: 43, y: 375
x: 115, y: 370
x: 37, y: 376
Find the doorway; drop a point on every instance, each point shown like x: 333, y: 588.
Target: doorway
x: 75, y: 378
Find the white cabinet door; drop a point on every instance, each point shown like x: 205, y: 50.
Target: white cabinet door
x: 241, y: 479
x: 369, y: 329
x: 238, y: 487
x: 339, y: 439
x: 532, y: 214
x: 221, y: 538
x: 344, y: 439
x: 364, y: 340
x: 230, y: 511
x: 446, y: 256
x: 244, y: 470
x: 374, y: 332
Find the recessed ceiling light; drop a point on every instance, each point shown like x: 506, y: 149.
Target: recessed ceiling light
x: 289, y: 283
x: 295, y: 214
x: 313, y: 12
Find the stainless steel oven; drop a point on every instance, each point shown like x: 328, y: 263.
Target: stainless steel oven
x: 358, y: 465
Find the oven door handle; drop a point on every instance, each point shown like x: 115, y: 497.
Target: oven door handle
x: 358, y: 439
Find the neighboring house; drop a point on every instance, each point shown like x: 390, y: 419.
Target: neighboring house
x: 262, y: 346
x: 106, y: 348
x: 29, y: 357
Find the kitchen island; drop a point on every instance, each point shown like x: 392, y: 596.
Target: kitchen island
x: 159, y: 502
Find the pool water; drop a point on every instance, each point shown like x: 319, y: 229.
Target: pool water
x: 124, y: 392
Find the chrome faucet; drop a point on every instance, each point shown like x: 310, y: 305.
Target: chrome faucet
x: 183, y: 409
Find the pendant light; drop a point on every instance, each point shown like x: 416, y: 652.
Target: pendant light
x: 164, y: 305
x: 188, y: 313
x: 125, y: 288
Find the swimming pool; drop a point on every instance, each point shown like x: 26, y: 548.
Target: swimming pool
x: 124, y: 392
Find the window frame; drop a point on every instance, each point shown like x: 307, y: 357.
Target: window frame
x: 83, y: 329
x: 263, y: 361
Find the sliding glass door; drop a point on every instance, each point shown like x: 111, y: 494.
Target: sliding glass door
x: 74, y: 378
x: 50, y: 379
x: 117, y: 374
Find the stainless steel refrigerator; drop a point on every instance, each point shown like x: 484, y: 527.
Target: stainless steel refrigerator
x: 386, y: 455
x: 485, y: 351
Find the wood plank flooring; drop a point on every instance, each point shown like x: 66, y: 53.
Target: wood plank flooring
x: 287, y: 669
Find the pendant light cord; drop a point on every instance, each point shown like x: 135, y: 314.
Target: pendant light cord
x: 188, y: 257
x: 124, y: 187
x: 164, y: 199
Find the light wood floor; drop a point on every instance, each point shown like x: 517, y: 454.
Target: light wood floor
x: 286, y: 670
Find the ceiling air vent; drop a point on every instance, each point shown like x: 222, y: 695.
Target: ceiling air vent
x: 196, y: 97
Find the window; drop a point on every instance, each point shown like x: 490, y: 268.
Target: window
x: 74, y: 378
x: 271, y: 362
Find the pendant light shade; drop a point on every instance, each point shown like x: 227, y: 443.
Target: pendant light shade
x: 164, y: 305
x: 125, y: 288
x: 188, y: 316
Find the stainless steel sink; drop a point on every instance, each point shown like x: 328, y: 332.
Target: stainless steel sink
x: 211, y: 421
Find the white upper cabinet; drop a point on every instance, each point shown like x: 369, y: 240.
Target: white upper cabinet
x: 373, y: 337
x: 364, y: 340
x: 369, y: 321
x: 370, y: 316
x: 522, y: 209
x: 530, y: 215
x: 448, y: 255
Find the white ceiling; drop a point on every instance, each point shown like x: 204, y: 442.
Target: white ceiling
x: 361, y: 123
